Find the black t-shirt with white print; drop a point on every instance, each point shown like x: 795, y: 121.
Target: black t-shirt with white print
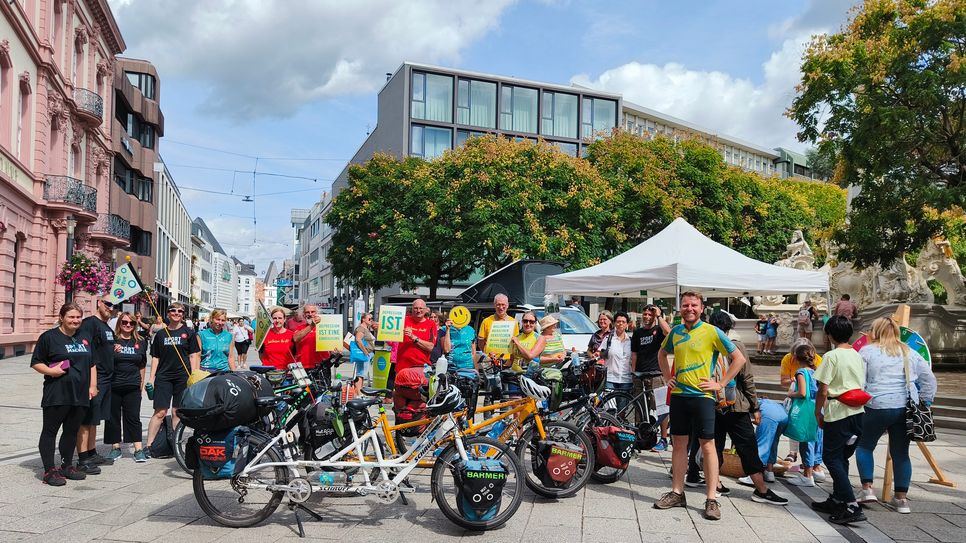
x: 72, y: 388
x: 102, y: 340
x: 129, y: 361
x: 646, y: 342
x: 166, y: 347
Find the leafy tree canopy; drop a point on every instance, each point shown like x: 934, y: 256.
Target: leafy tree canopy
x: 887, y: 95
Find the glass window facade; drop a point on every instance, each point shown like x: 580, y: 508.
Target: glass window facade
x: 559, y: 116
x: 599, y: 115
x: 476, y: 103
x: 518, y: 109
x: 432, y: 97
x: 463, y: 135
x: 430, y: 141
x: 566, y: 148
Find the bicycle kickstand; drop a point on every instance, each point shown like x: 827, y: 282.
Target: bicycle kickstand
x: 296, y: 507
x: 402, y: 495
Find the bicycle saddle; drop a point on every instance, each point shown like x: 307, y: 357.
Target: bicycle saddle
x: 261, y: 369
x: 359, y: 405
x: 374, y: 391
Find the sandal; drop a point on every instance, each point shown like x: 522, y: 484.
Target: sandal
x: 791, y: 458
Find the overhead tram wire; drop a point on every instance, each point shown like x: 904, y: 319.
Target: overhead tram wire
x: 294, y: 159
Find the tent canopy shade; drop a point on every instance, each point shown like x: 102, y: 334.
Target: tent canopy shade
x: 680, y: 256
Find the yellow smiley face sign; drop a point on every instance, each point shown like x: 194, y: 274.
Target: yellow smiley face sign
x: 460, y: 316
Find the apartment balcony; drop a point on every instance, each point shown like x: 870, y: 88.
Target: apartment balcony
x: 71, y: 195
x: 112, y: 229
x: 90, y: 106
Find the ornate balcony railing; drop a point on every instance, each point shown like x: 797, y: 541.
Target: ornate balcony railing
x: 61, y: 188
x: 89, y: 102
x: 112, y: 225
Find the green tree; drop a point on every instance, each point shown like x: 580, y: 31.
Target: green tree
x: 888, y: 94
x: 822, y: 162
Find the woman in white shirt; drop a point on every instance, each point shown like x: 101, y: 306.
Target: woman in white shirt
x: 617, y: 346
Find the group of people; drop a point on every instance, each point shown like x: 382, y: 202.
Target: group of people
x: 93, y: 372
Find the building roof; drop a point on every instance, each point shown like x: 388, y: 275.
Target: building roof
x: 204, y: 232
x: 244, y: 269
x: 270, y: 274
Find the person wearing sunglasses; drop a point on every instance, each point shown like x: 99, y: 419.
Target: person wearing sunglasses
x: 523, y: 344
x: 102, y: 342
x: 130, y: 359
x: 174, y: 355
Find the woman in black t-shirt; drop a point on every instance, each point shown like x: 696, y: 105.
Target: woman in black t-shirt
x: 63, y: 356
x: 175, y: 353
x: 130, y: 358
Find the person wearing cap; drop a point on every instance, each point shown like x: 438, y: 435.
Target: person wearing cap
x: 500, y: 305
x: 548, y: 349
x: 102, y: 338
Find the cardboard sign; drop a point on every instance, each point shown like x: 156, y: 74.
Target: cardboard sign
x: 328, y: 333
x: 262, y: 323
x: 661, y: 406
x: 391, y: 321
x: 498, y: 341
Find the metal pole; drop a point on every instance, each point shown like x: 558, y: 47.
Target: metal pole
x: 71, y: 225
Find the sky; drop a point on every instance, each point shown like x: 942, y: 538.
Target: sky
x: 288, y: 88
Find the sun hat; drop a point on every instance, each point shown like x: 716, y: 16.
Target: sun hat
x: 548, y: 320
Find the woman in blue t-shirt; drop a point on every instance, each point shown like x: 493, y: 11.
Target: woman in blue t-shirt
x: 459, y: 344
x: 217, y: 345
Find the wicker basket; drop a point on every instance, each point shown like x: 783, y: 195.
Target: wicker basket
x: 732, y: 465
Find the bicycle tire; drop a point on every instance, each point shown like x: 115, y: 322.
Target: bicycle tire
x: 442, y: 468
x: 632, y: 414
x: 526, y: 446
x: 605, y: 474
x: 180, y: 442
x: 256, y: 443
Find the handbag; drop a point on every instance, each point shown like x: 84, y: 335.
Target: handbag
x: 802, y: 424
x: 919, y: 423
x: 854, y: 398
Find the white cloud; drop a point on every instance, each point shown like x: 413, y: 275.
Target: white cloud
x: 721, y: 102
x: 265, y: 58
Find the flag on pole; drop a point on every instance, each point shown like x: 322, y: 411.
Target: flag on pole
x: 126, y: 284
x: 263, y: 321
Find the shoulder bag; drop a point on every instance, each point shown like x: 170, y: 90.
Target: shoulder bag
x: 919, y: 423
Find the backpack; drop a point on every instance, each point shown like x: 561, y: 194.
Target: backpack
x: 555, y: 462
x: 163, y: 444
x: 613, y: 445
x: 804, y: 317
x: 219, y: 455
x: 479, y: 487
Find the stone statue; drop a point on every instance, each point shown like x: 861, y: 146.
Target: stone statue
x: 936, y: 263
x: 797, y: 254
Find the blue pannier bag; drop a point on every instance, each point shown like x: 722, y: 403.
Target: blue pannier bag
x: 479, y: 487
x: 222, y: 454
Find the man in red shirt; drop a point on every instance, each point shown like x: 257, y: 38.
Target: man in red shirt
x: 419, y: 338
x: 305, y: 338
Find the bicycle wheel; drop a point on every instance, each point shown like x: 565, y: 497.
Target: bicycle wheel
x: 556, y: 431
x: 625, y: 406
x: 446, y: 488
x: 181, y: 435
x: 605, y: 474
x: 229, y: 501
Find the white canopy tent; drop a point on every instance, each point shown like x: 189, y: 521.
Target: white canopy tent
x: 681, y: 258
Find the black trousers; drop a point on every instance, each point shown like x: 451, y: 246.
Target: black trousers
x: 742, y: 432
x: 67, y: 419
x: 125, y: 414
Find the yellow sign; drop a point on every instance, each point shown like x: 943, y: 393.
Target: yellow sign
x: 392, y: 318
x: 499, y: 340
x: 460, y: 316
x: 328, y: 333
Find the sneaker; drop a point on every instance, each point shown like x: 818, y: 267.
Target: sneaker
x: 88, y: 468
x: 711, y: 510
x: 848, y: 514
x: 140, y: 456
x: 147, y: 453
x: 98, y: 460
x: 830, y: 505
x: 800, y: 480
x: 819, y: 475
x: 768, y: 497
x: 866, y: 495
x: 53, y: 477
x: 769, y: 477
x: 723, y: 490
x: 746, y: 481
x: 694, y: 481
x: 661, y: 446
x: 671, y: 499
x: 901, y: 505
x: 72, y: 473
x: 114, y: 454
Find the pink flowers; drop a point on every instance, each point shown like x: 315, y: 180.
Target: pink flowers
x: 83, y: 273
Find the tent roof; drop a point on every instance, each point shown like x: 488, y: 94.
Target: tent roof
x: 681, y: 256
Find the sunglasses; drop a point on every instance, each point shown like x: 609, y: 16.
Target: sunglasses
x: 529, y: 321
x: 107, y: 304
x: 127, y: 323
x: 176, y: 311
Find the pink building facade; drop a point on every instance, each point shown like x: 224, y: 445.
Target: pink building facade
x: 57, y: 71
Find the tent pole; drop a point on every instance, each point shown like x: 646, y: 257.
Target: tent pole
x: 677, y: 298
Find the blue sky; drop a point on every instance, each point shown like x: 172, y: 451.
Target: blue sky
x: 294, y: 82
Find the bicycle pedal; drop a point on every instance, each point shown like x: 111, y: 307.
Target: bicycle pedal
x: 409, y: 489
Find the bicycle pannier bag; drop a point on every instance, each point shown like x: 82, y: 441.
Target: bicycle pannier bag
x: 555, y: 462
x: 222, y: 454
x: 613, y: 445
x: 479, y: 487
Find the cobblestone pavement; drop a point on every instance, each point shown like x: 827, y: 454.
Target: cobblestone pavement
x: 153, y: 502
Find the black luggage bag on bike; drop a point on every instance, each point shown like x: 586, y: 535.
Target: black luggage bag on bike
x: 223, y: 401
x: 555, y: 462
x: 479, y: 487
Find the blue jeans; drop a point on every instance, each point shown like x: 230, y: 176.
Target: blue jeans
x: 620, y: 386
x: 773, y: 421
x: 838, y: 452
x: 875, y: 423
x: 812, y: 451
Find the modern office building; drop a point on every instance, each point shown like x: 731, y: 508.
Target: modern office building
x: 137, y: 127
x: 314, y: 240
x: 173, y: 254
x: 56, y: 71
x: 793, y: 164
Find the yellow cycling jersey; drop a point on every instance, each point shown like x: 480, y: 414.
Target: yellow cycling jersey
x: 696, y: 353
